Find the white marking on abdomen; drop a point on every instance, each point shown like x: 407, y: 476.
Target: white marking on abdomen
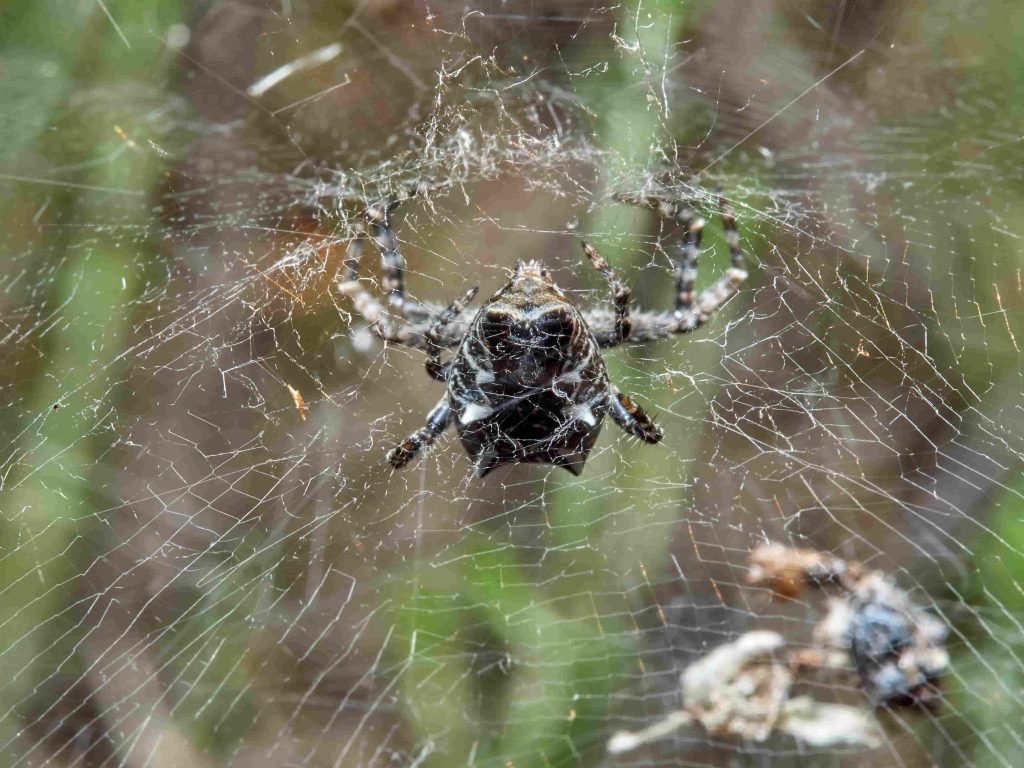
x: 474, y: 412
x: 584, y: 413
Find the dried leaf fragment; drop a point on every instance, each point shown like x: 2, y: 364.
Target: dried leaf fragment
x: 819, y: 724
x: 741, y: 689
x: 300, y: 404
x: 787, y: 570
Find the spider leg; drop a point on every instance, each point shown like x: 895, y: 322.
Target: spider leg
x: 691, y: 317
x: 681, y: 213
x: 434, y: 339
x: 631, y: 417
x: 364, y: 302
x: 620, y: 297
x: 686, y: 266
x: 437, y: 421
x: 691, y: 311
x: 414, y: 319
x: 378, y: 218
x: 354, y: 253
x: 377, y: 221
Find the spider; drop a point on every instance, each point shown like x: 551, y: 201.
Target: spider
x: 527, y: 382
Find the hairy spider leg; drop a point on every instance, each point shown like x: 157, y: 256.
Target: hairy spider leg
x: 435, y: 368
x: 689, y: 260
x: 690, y: 312
x: 632, y: 418
x: 378, y: 217
x: 354, y: 253
x: 364, y: 302
x: 626, y: 413
x: 437, y: 421
x: 408, y: 321
x: 732, y: 235
x: 684, y: 214
x: 620, y: 295
x: 713, y: 297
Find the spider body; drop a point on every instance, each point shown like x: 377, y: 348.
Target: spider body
x: 527, y: 382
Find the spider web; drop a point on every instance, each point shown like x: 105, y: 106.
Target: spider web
x: 205, y: 557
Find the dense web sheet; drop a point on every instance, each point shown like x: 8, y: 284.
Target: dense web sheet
x: 206, y: 559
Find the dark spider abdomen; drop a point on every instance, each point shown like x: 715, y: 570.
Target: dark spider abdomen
x: 534, y: 428
x: 528, y: 384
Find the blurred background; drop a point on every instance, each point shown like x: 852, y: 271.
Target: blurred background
x: 205, y: 559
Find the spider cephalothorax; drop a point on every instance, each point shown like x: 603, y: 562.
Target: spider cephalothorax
x: 527, y: 382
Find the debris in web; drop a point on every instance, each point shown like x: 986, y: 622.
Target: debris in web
x: 742, y: 689
x: 896, y: 647
x: 314, y: 59
x: 873, y: 627
x: 787, y: 570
